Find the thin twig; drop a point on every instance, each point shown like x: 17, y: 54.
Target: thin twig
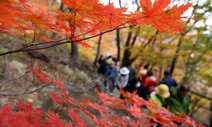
x: 11, y: 80
x: 24, y: 93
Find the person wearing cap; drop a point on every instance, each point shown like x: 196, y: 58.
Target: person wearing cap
x: 168, y: 80
x: 107, y: 56
x: 179, y: 101
x: 160, y: 95
x: 122, y: 79
x: 103, y: 63
x: 104, y: 67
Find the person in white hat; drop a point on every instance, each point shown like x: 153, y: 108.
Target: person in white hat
x: 123, y: 77
x: 107, y: 56
x: 160, y: 94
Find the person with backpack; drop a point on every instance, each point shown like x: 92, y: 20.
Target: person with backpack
x: 104, y: 67
x: 179, y: 101
x: 122, y: 79
x: 126, y: 80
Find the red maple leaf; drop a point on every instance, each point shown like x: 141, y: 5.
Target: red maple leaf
x: 77, y: 120
x: 162, y: 18
x: 59, y: 84
x: 136, y: 111
x: 40, y: 75
x: 70, y: 99
x: 54, y: 120
x: 57, y: 98
x: 95, y: 106
x: 33, y: 115
x: 111, y: 101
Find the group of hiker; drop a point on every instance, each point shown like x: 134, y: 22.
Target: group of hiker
x: 166, y: 93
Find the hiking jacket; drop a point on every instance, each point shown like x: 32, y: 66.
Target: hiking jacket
x: 113, y: 73
x: 104, y: 67
x: 177, y: 103
x: 150, y: 81
x: 170, y: 82
x: 122, y: 81
x: 161, y: 102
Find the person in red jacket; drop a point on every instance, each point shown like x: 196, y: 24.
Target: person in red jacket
x: 150, y: 82
x: 143, y: 73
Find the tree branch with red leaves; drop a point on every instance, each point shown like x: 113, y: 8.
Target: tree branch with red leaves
x: 24, y: 19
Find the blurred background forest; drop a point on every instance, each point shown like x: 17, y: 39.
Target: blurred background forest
x: 187, y: 55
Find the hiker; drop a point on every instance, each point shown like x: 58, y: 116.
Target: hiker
x: 126, y: 80
x: 168, y: 80
x: 104, y: 67
x: 131, y: 87
x: 112, y: 75
x: 179, y: 101
x: 141, y: 91
x: 149, y: 83
x: 143, y: 73
x: 160, y: 95
x: 122, y: 79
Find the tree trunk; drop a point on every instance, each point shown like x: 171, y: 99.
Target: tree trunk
x: 174, y: 60
x: 120, y: 4
x: 118, y: 42
x: 61, y: 6
x: 194, y: 107
x: 74, y: 55
x: 109, y: 2
x: 127, y: 61
x: 135, y: 37
x: 98, y: 50
x: 211, y: 115
x: 126, y: 56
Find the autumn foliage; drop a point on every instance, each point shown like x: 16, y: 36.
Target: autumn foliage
x: 133, y: 115
x: 84, y: 20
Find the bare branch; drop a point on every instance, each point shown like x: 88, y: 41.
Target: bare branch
x: 24, y: 93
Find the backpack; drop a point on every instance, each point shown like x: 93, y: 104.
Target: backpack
x: 131, y: 74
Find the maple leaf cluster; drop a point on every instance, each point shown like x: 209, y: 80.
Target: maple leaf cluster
x: 132, y: 113
x: 162, y: 18
x: 28, y: 18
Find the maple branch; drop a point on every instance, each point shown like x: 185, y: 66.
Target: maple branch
x: 45, y: 45
x: 30, y: 47
x: 133, y: 20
